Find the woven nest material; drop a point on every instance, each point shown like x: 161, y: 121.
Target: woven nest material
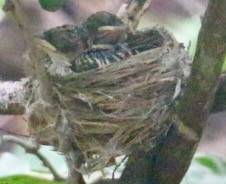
x: 110, y: 111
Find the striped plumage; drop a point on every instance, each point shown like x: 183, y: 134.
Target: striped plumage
x: 102, y: 55
x: 89, y: 47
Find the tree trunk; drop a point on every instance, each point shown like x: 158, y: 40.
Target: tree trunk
x: 170, y: 159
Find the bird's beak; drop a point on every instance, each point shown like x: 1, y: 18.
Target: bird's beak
x: 112, y: 33
x: 113, y: 29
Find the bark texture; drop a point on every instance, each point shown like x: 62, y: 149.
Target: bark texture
x: 169, y: 161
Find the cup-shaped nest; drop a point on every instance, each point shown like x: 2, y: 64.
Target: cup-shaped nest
x: 116, y: 109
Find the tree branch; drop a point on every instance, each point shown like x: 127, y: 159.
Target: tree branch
x: 132, y: 11
x: 219, y: 103
x: 170, y: 159
x: 206, y: 67
x: 32, y: 147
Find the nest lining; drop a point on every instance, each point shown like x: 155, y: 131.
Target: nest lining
x: 110, y: 111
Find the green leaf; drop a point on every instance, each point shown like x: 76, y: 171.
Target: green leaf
x: 25, y: 180
x: 210, y: 163
x: 52, y: 5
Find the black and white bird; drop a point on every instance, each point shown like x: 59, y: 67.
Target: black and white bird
x: 102, y: 39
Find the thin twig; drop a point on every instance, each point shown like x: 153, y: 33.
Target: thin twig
x: 31, y: 146
x: 118, y: 165
x: 132, y: 11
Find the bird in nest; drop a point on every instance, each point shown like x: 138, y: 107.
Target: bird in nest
x: 102, y: 112
x: 102, y: 39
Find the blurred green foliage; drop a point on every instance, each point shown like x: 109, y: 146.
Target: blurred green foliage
x: 52, y: 5
x: 224, y: 65
x: 206, y: 170
x: 203, y: 170
x: 26, y: 180
x: 2, y: 3
x: 209, y: 163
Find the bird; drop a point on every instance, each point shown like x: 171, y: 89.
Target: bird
x: 105, y: 28
x: 94, y: 44
x: 119, y: 109
x: 99, y: 28
x: 68, y: 38
x: 102, y: 39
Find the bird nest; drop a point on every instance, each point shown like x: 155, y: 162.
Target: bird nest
x: 109, y: 111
